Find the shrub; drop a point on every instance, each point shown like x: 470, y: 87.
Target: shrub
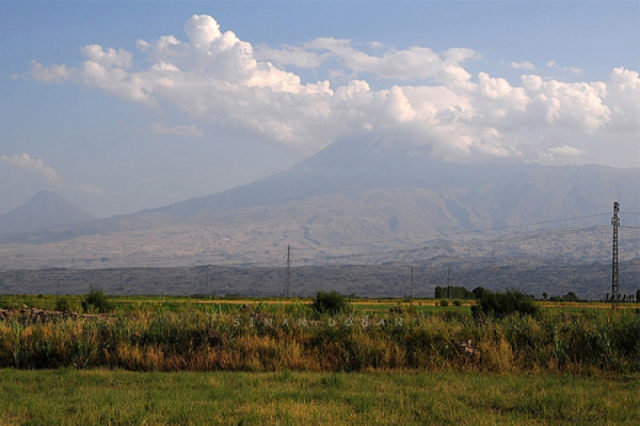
x: 62, y: 305
x: 478, y: 292
x: 502, y: 304
x: 444, y: 303
x: 329, y: 302
x: 457, y: 303
x: 97, y: 301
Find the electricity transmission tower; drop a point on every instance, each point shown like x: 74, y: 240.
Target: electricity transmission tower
x: 287, y: 276
x: 411, y: 286
x: 615, y: 222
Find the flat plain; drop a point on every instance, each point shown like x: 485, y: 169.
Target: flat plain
x: 98, y: 396
x: 181, y: 360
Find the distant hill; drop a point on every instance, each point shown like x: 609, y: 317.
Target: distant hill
x: 45, y: 210
x: 587, y: 280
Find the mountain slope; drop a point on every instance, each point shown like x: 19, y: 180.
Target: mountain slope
x: 364, y: 197
x: 45, y: 210
x: 473, y: 195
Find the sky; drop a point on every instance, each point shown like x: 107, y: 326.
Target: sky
x: 121, y: 106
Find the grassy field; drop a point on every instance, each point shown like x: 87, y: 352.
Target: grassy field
x: 252, y: 361
x: 176, y: 303
x: 174, y: 336
x: 68, y: 396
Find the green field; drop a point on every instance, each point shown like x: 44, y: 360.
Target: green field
x: 179, y: 360
x: 180, y: 303
x: 68, y: 396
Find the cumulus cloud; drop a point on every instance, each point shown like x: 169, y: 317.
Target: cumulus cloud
x: 524, y: 65
x: 50, y: 74
x: 569, y: 70
x: 37, y: 166
x: 565, y: 150
x: 423, y: 96
x: 290, y: 55
x: 414, y: 63
x: 33, y: 165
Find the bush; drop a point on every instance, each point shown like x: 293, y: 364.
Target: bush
x: 444, y: 303
x: 62, y: 305
x: 457, y: 303
x: 329, y: 302
x: 96, y: 301
x: 500, y: 305
x: 478, y: 292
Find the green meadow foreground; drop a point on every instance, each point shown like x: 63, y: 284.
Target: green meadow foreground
x: 196, y: 361
x: 68, y: 396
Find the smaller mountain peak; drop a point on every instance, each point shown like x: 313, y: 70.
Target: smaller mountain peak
x: 46, y: 209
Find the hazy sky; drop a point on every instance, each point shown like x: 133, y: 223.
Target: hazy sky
x: 122, y: 106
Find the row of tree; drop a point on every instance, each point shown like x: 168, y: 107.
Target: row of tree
x: 458, y: 292
x: 625, y: 297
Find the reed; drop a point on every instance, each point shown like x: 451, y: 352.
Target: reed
x: 297, y: 338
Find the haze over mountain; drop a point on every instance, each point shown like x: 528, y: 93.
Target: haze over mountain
x: 45, y: 210
x: 356, y: 197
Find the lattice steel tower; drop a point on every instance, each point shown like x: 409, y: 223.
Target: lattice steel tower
x: 615, y: 222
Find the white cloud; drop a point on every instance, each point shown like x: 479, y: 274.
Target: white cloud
x: 565, y: 150
x: 422, y: 96
x: 50, y: 74
x: 414, y: 63
x: 37, y: 166
x: 107, y: 57
x: 142, y: 45
x: 290, y: 55
x: 33, y: 165
x: 177, y: 130
x: 568, y: 70
x: 524, y: 65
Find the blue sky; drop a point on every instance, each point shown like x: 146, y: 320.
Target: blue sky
x: 115, y: 138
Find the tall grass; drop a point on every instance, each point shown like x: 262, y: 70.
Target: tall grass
x: 295, y: 338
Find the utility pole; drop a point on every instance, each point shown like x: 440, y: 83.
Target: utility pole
x: 448, y: 282
x: 615, y: 222
x: 287, y: 277
x: 411, y: 285
x: 208, y: 292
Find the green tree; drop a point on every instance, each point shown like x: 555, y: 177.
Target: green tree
x: 502, y: 304
x: 97, y: 301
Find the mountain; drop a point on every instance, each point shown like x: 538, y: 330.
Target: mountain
x: 467, y: 196
x: 45, y: 210
x: 360, y: 200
